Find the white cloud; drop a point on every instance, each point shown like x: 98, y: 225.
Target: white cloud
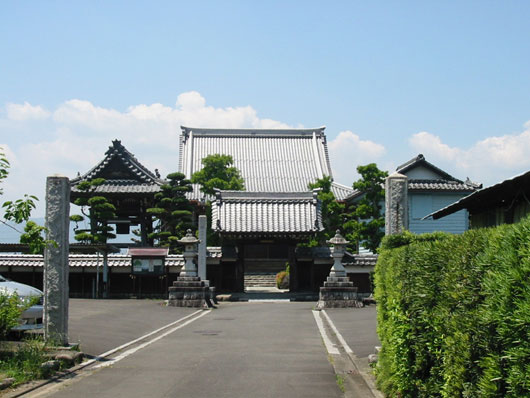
x: 77, y: 135
x: 26, y: 111
x: 347, y: 151
x: 492, y: 159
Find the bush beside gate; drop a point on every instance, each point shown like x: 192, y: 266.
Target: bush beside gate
x: 454, y: 313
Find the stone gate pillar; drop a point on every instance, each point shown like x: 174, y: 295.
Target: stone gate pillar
x: 56, y: 260
x: 396, y: 204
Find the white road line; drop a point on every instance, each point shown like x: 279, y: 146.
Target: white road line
x: 337, y: 333
x: 330, y: 347
x: 121, y: 347
x: 269, y: 300
x: 147, y: 343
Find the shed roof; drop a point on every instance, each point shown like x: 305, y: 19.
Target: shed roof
x: 279, y: 160
x: 266, y: 213
x: 503, y: 193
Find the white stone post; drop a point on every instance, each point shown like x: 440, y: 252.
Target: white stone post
x: 56, y: 260
x: 396, y: 204
x: 202, y: 247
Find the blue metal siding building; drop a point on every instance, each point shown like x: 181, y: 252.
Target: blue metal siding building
x: 431, y: 189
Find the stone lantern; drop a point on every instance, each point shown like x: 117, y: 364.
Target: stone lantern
x: 337, y: 252
x: 190, y: 243
x: 338, y: 291
x: 189, y: 290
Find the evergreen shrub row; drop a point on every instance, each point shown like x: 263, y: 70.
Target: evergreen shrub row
x: 454, y: 313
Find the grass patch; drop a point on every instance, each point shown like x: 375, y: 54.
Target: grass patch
x: 23, y: 361
x: 340, y: 382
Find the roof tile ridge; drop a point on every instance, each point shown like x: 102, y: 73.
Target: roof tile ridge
x: 129, y: 160
x: 421, y: 159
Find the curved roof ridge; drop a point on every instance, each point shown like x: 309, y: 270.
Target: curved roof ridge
x: 128, y: 159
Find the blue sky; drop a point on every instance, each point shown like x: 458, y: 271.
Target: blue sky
x: 389, y: 79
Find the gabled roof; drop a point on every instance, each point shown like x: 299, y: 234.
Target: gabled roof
x: 282, y: 160
x: 420, y: 161
x: 266, y: 214
x: 443, y: 181
x: 504, y: 193
x: 123, y: 173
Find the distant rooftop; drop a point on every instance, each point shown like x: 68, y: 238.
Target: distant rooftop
x: 271, y: 160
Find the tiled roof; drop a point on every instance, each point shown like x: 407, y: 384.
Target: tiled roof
x: 363, y: 260
x: 91, y: 260
x: 125, y: 186
x: 340, y: 191
x: 266, y: 213
x: 123, y: 173
x: 269, y: 160
x: 439, y: 185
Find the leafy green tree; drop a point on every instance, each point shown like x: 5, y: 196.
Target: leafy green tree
x: 173, y: 212
x: 365, y: 222
x: 11, y: 307
x: 32, y: 236
x: 218, y: 172
x: 4, y: 168
x: 98, y: 210
x: 331, y: 211
x: 19, y: 211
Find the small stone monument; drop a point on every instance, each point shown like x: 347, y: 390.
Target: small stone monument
x: 338, y: 291
x: 396, y: 204
x: 189, y: 290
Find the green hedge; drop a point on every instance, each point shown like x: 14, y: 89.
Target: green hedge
x: 454, y: 313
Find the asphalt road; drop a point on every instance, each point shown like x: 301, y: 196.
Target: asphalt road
x: 238, y: 350
x: 101, y: 325
x: 358, y: 327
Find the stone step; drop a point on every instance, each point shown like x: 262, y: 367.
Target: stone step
x: 257, y: 280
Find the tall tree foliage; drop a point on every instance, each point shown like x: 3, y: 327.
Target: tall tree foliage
x: 173, y: 211
x: 19, y: 211
x: 365, y: 222
x: 97, y: 210
x: 331, y: 211
x: 218, y: 172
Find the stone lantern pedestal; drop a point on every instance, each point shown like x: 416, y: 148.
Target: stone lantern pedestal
x: 338, y: 291
x: 189, y: 290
